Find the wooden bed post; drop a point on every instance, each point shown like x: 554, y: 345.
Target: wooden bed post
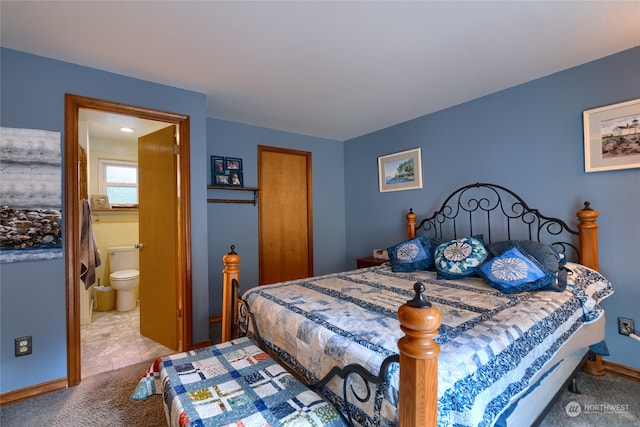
x: 411, y: 224
x: 588, y: 233
x: 588, y: 242
x: 418, y: 405
x: 230, y: 272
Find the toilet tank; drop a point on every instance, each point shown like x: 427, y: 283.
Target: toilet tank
x: 123, y: 258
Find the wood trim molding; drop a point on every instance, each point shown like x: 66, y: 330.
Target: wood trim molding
x: 201, y: 344
x: 73, y: 103
x: 32, y: 391
x: 621, y: 370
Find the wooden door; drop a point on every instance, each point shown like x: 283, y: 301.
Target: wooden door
x: 285, y: 215
x: 159, y: 262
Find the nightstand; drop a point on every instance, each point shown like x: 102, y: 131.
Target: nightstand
x: 369, y: 262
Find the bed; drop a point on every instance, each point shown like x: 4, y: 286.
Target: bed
x: 438, y: 351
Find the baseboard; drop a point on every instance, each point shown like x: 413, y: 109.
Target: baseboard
x: 215, y: 319
x: 621, y: 370
x: 33, y: 391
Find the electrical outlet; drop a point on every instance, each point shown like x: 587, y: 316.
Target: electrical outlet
x: 626, y: 326
x: 23, y: 346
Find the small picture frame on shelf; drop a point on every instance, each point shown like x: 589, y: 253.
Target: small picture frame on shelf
x: 233, y: 163
x: 217, y: 168
x: 100, y: 202
x: 235, y: 179
x: 221, y: 179
x: 217, y: 164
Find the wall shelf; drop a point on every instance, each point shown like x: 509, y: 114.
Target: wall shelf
x: 247, y: 201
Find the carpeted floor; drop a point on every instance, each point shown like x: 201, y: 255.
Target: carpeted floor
x: 610, y: 400
x: 103, y: 400
x: 99, y: 400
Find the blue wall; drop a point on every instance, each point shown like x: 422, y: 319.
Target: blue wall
x: 528, y: 138
x: 237, y: 224
x: 33, y: 294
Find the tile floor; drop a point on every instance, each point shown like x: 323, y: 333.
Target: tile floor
x: 112, y: 340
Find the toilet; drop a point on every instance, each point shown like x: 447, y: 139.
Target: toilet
x: 125, y: 276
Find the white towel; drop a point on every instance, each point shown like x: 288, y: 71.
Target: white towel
x: 89, y: 255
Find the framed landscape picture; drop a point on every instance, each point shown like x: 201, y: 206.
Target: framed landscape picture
x: 400, y: 171
x: 612, y: 137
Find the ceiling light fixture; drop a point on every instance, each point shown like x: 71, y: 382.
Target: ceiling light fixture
x: 127, y: 130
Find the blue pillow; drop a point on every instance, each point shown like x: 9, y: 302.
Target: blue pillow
x: 459, y: 258
x: 428, y: 248
x: 408, y: 256
x: 546, y: 255
x: 515, y: 271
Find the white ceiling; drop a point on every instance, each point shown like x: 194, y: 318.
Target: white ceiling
x: 105, y: 134
x: 333, y: 69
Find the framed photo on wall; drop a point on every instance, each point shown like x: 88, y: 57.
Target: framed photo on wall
x: 233, y: 163
x: 221, y: 179
x: 612, y: 137
x: 217, y: 168
x: 217, y: 164
x: 235, y: 178
x: 400, y: 171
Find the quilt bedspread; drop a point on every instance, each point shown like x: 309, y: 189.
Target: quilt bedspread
x: 233, y: 384
x: 492, y: 344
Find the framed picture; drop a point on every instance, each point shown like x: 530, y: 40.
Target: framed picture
x: 217, y: 168
x: 100, y: 202
x: 235, y: 178
x: 400, y: 171
x: 217, y: 164
x: 221, y: 179
x: 612, y: 137
x: 233, y: 163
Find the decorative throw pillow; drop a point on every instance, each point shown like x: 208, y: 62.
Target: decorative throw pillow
x: 546, y: 255
x: 515, y: 271
x: 459, y: 258
x: 428, y: 248
x: 408, y: 256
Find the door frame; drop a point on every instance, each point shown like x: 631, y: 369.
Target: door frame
x: 73, y: 104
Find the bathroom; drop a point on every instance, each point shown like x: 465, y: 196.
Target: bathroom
x: 110, y: 332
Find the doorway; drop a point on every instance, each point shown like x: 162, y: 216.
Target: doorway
x: 285, y: 225
x: 180, y: 313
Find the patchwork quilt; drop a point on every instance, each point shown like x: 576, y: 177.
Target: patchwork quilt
x: 492, y: 344
x: 233, y: 384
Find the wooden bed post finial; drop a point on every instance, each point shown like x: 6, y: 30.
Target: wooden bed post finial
x: 419, y: 321
x: 229, y: 273
x: 411, y: 224
x: 588, y: 236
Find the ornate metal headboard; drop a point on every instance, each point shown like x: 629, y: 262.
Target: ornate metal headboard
x: 498, y: 214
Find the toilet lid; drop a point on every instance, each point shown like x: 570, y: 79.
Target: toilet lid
x: 124, y: 274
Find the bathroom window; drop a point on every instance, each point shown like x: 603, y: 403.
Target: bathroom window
x: 119, y: 180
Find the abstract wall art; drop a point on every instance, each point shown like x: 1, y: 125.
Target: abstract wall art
x: 30, y: 195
